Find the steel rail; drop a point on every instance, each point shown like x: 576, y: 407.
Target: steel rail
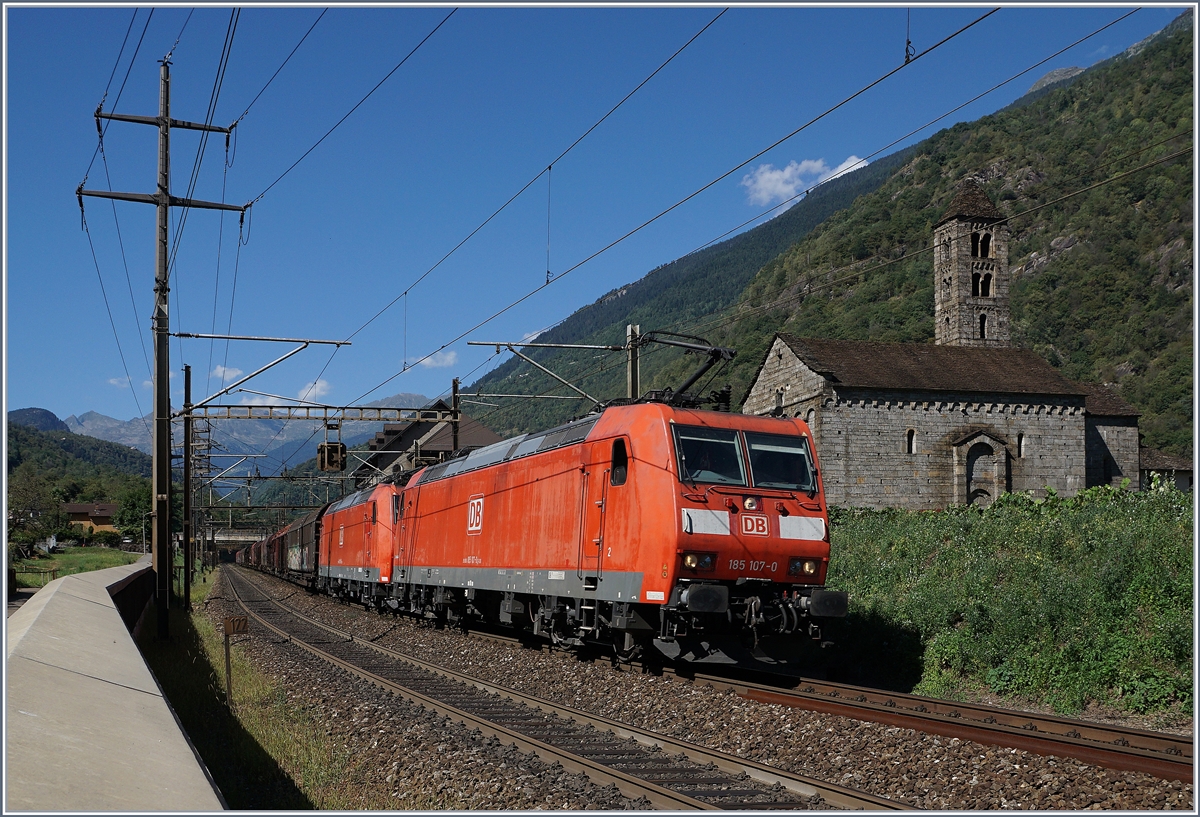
x: 629, y: 785
x: 1114, y: 747
x: 832, y: 793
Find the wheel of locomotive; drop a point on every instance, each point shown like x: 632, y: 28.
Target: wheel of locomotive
x: 625, y: 646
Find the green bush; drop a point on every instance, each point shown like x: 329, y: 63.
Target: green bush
x: 1060, y: 600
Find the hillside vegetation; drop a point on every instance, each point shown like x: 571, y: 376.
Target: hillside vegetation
x: 1102, y: 285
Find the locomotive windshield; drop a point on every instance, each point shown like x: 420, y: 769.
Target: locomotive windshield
x: 781, y: 462
x: 712, y: 455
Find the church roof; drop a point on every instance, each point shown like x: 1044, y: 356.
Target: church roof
x: 1104, y: 401
x: 971, y: 202
x: 926, y: 367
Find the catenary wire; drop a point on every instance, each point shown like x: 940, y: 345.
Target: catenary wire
x: 512, y: 198
x: 679, y: 203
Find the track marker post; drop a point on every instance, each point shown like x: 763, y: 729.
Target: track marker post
x: 234, y: 625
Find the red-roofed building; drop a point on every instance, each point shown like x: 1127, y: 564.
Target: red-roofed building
x: 97, y: 515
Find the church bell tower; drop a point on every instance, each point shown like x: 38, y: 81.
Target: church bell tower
x: 970, y: 272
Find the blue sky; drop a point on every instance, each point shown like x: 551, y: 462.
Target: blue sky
x: 478, y: 111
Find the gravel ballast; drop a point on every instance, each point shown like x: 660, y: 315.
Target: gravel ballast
x: 922, y: 770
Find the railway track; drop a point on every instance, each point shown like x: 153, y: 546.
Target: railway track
x: 1114, y: 747
x: 1163, y: 755
x: 668, y: 773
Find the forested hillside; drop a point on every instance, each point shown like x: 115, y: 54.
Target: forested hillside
x: 1101, y: 252
x: 48, y: 468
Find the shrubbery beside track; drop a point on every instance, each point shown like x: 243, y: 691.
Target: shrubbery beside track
x: 1062, y: 601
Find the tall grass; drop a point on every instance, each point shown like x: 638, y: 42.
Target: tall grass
x: 268, y: 752
x: 71, y: 560
x: 1064, y: 601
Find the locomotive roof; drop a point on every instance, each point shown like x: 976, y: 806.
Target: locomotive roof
x: 511, y: 449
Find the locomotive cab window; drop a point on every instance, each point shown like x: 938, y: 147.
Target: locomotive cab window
x: 778, y: 461
x: 620, y: 463
x: 710, y: 455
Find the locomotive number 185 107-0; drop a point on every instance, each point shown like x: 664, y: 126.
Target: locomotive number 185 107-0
x: 754, y: 566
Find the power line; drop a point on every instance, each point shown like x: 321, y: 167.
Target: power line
x: 685, y: 199
x: 352, y: 110
x: 280, y: 68
x: 113, y: 324
x: 513, y: 198
x: 120, y: 91
x: 528, y: 184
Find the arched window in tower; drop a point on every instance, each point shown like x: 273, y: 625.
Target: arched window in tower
x: 985, y: 285
x: 910, y: 442
x: 946, y: 286
x: 974, y: 245
x: 985, y: 245
x: 975, y: 285
x: 983, y: 327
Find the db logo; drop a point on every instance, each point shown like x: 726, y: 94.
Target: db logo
x: 755, y: 525
x: 475, y: 515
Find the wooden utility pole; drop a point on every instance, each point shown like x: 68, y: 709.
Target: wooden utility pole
x: 161, y: 324
x: 188, y: 550
x: 633, y: 377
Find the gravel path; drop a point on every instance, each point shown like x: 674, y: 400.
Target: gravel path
x: 926, y: 771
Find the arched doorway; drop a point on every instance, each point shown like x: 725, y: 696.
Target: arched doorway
x: 981, y: 474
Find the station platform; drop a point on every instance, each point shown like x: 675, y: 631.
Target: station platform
x: 86, y: 726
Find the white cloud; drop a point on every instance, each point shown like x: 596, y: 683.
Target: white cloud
x: 147, y: 384
x: 314, y: 391
x: 440, y: 360
x: 226, y: 374
x: 119, y: 382
x: 768, y: 184
x: 258, y: 400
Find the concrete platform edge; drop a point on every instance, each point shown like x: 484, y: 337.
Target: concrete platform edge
x: 87, y: 727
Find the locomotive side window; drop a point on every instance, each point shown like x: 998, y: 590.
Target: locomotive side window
x: 777, y: 461
x: 712, y: 455
x: 620, y: 463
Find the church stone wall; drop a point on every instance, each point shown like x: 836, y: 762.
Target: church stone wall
x: 863, y: 446
x: 1113, y: 453
x: 783, y: 373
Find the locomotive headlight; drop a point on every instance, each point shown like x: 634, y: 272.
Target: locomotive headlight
x: 750, y: 503
x: 799, y: 566
x: 699, y: 561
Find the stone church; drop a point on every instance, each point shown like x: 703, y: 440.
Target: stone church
x: 959, y: 421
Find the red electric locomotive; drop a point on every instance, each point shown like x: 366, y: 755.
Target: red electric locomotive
x: 691, y: 530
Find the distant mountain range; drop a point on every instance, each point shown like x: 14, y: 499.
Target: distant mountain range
x: 281, y: 441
